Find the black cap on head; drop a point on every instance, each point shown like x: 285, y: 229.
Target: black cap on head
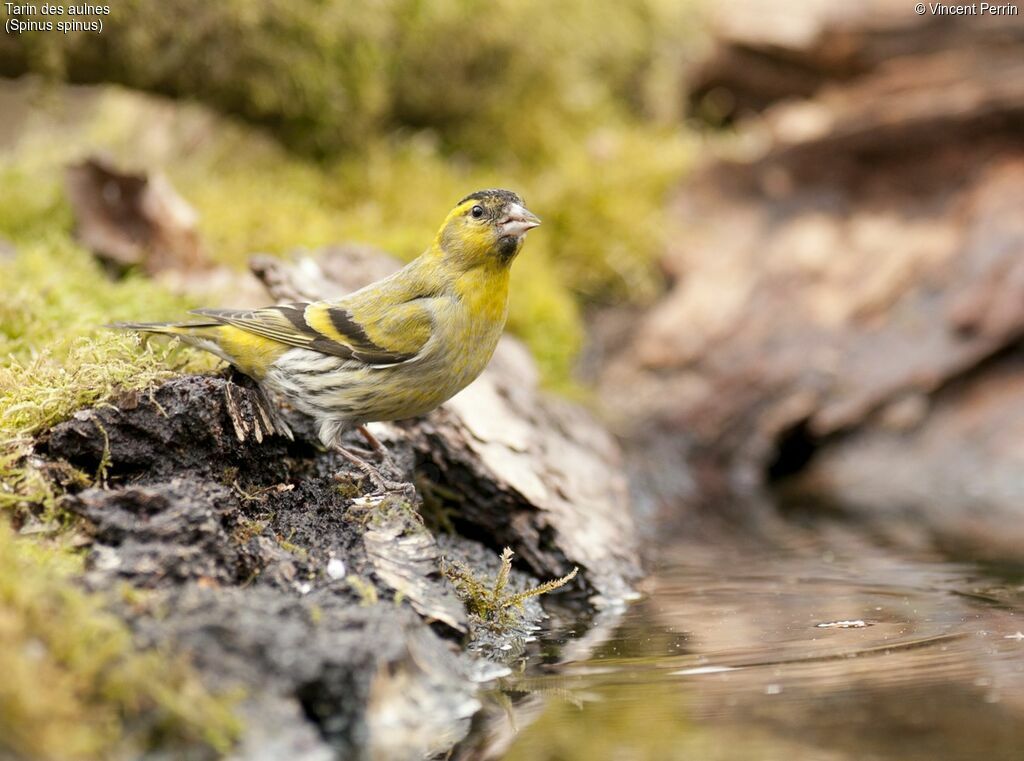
x: 493, y: 194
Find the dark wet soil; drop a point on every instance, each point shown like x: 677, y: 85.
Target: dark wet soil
x: 313, y: 596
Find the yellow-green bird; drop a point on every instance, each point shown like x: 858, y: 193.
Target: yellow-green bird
x: 395, y: 349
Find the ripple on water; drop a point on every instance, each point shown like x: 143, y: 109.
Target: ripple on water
x: 782, y: 657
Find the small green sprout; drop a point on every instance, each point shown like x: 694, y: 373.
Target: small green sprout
x: 488, y: 600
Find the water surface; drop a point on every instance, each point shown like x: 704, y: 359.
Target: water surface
x: 786, y: 656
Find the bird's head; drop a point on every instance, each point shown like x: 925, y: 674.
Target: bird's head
x: 486, y: 227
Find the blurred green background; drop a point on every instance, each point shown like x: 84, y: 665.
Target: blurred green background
x: 364, y: 121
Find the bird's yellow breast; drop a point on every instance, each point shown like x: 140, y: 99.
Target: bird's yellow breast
x: 467, y: 327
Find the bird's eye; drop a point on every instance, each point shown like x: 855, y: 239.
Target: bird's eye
x: 477, y: 212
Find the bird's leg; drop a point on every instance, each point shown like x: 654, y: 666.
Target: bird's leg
x: 382, y: 484
x: 372, y: 440
x: 379, y: 448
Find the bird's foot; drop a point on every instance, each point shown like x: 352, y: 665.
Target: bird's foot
x: 381, y: 484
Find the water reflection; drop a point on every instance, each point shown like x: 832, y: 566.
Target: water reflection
x: 790, y: 658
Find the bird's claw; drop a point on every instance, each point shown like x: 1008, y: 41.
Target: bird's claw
x: 382, y: 485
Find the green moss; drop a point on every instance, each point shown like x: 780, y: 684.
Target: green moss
x: 57, y: 357
x: 82, y: 690
x: 248, y: 529
x: 349, y: 489
x: 79, y: 690
x: 292, y: 548
x: 492, y: 78
x: 391, y: 509
x: 33, y: 206
x: 488, y: 600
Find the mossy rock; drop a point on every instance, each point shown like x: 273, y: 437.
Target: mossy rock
x: 81, y: 689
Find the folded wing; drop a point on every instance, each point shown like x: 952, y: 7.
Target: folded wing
x: 377, y: 336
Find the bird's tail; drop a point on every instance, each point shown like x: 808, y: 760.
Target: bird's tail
x: 166, y: 328
x: 202, y: 335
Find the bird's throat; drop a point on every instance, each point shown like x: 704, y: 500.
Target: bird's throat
x: 484, y: 291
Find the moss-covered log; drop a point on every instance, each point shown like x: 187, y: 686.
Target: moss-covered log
x: 330, y: 76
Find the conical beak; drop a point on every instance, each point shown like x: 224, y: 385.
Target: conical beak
x: 517, y: 221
